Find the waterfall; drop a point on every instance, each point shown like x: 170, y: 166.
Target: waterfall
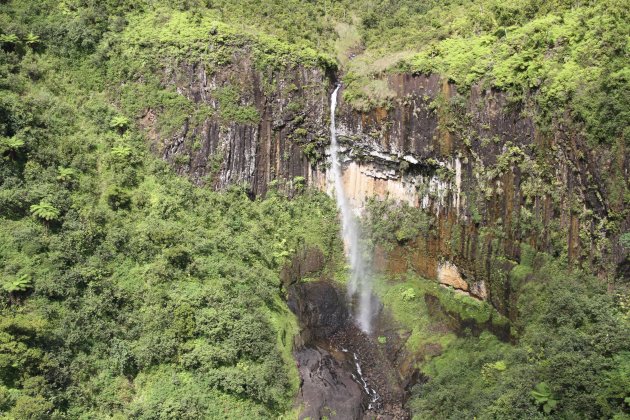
x: 360, y: 280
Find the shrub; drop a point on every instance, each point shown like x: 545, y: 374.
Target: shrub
x: 543, y: 397
x: 408, y: 295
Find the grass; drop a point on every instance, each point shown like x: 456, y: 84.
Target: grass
x: 365, y: 87
x: 411, y: 312
x: 405, y: 298
x: 348, y: 41
x: 286, y: 326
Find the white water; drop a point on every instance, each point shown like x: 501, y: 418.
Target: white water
x: 360, y: 281
x: 374, y: 397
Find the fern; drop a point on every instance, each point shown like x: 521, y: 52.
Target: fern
x: 19, y: 284
x: 9, y: 39
x: 119, y: 122
x: 31, y: 39
x: 65, y: 174
x: 121, y: 151
x: 11, y: 143
x: 45, y: 210
x: 408, y: 295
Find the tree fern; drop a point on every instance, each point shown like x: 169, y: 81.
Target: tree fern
x: 45, y: 210
x: 19, y: 284
x: 31, y: 39
x: 119, y: 122
x: 10, y: 145
x: 9, y: 38
x: 121, y: 151
x: 65, y: 174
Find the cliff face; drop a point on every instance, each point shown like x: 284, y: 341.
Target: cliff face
x: 476, y: 162
x: 492, y: 180
x: 259, y: 124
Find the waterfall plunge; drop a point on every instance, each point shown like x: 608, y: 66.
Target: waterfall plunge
x: 360, y: 280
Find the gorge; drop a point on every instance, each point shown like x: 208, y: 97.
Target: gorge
x: 494, y: 186
x: 314, y: 209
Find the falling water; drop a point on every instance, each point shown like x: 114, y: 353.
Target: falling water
x: 359, y: 278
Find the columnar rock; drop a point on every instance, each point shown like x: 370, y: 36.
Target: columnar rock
x: 476, y: 162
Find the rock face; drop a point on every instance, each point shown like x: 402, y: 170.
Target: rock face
x: 327, y: 386
x: 319, y: 307
x: 449, y: 275
x: 476, y: 161
x: 490, y: 177
x: 257, y: 126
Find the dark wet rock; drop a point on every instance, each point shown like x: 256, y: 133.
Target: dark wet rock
x: 305, y: 262
x: 377, y: 371
x: 344, y: 372
x: 327, y: 388
x: 320, y: 308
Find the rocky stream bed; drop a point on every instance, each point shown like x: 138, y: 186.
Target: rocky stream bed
x: 344, y: 373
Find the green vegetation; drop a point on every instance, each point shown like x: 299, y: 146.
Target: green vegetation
x: 200, y: 36
x: 127, y: 292
x: 45, y: 210
x: 542, y: 395
x: 569, y: 361
x: 230, y: 110
x: 414, y: 303
x: 405, y: 299
x: 388, y: 223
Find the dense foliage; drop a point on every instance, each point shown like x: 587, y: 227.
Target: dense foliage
x: 572, y: 343
x: 387, y: 222
x: 127, y: 292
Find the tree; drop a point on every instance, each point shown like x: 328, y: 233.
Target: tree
x: 45, y: 210
x: 65, y: 174
x: 121, y: 151
x: 9, y: 39
x: 10, y: 145
x: 17, y: 285
x: 119, y: 123
x: 31, y: 39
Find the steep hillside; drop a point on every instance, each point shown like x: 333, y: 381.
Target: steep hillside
x: 162, y: 178
x: 127, y: 291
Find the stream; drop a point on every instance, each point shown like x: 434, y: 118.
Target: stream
x: 344, y: 373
